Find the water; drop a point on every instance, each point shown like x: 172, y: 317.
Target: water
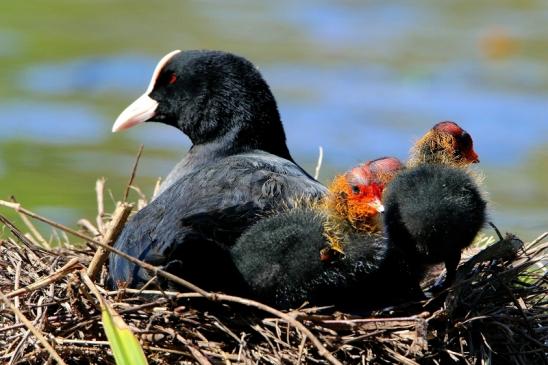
x: 361, y: 79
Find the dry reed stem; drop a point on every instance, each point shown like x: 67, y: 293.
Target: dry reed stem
x: 35, y: 331
x: 119, y: 218
x: 211, y: 296
x: 489, y: 303
x: 319, y: 163
x: 89, y: 227
x: 133, y: 171
x: 157, y: 187
x: 34, y: 232
x: 100, y: 192
x: 70, y: 266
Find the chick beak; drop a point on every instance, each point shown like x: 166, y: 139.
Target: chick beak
x: 473, y: 157
x: 377, y: 205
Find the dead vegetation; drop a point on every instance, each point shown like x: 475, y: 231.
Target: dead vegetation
x: 495, y: 313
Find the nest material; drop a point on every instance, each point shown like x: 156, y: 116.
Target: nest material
x: 497, y: 310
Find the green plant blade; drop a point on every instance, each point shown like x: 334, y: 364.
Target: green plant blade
x: 125, y: 347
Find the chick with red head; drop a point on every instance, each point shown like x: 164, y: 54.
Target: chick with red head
x: 447, y: 143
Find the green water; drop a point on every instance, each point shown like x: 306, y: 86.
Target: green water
x: 363, y: 79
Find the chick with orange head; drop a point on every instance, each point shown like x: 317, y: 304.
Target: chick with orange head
x: 355, y: 200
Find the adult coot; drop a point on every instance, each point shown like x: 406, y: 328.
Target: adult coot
x: 238, y: 167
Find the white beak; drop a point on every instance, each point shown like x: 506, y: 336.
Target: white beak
x: 138, y: 112
x: 144, y: 108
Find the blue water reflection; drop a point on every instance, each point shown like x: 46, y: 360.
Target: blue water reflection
x: 361, y: 79
x: 94, y: 75
x: 51, y: 122
x: 355, y: 112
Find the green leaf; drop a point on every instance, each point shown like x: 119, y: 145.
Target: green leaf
x: 126, y: 348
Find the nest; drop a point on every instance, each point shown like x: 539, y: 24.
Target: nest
x: 495, y: 312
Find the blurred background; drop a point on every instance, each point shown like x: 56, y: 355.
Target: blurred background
x: 360, y: 78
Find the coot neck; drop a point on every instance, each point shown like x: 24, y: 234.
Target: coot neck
x: 241, y: 140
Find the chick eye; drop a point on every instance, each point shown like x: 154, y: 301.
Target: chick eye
x: 355, y: 189
x: 465, y: 141
x: 172, y: 79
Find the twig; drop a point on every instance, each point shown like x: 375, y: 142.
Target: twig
x: 155, y: 270
x: 16, y: 282
x: 33, y: 329
x: 505, y: 249
x: 23, y: 343
x: 400, y: 358
x: 319, y: 163
x: 144, y: 292
x: 301, y: 350
x: 287, y: 318
x: 12, y: 327
x: 496, y: 230
x: 119, y: 218
x: 14, y: 230
x: 372, y: 324
x: 537, y: 240
x: 211, y: 296
x: 80, y: 343
x: 89, y: 226
x: 32, y: 228
x: 157, y: 187
x: 100, y: 191
x: 133, y: 171
x: 20, y: 347
x: 73, y: 264
x: 198, y: 355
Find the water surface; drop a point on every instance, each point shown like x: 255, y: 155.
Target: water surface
x: 361, y: 79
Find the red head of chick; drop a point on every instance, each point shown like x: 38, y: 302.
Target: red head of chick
x: 446, y: 143
x: 382, y: 170
x: 355, y: 199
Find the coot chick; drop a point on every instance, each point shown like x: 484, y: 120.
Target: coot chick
x: 447, y: 144
x: 238, y: 167
x: 352, y: 202
x: 433, y: 212
x: 280, y: 256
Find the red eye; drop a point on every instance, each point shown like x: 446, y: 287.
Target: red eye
x: 172, y: 79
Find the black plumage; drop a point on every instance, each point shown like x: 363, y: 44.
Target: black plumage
x: 237, y: 168
x: 329, y: 253
x: 433, y: 212
x: 279, y: 258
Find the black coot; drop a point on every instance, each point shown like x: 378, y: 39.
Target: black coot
x: 237, y: 168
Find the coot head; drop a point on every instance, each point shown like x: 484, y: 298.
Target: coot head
x: 212, y: 96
